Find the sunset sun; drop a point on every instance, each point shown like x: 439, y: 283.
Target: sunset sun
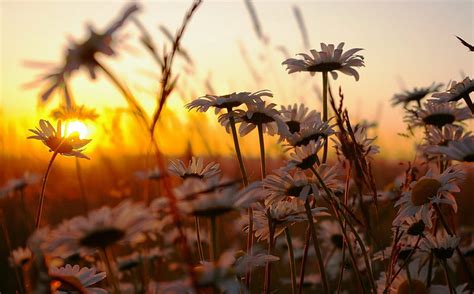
x: 77, y: 127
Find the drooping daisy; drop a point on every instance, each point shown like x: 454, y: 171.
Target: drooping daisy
x: 427, y: 190
x: 329, y: 59
x: 194, y: 169
x: 69, y: 278
x: 298, y: 117
x: 437, y: 114
x: 228, y: 101
x: 282, y: 185
x: 258, y: 113
x: 414, y: 95
x: 315, y: 129
x: 127, y: 223
x: 461, y: 150
x: 304, y: 157
x: 20, y: 256
x: 456, y: 92
x: 70, y: 145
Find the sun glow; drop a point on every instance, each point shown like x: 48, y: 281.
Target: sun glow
x: 77, y: 127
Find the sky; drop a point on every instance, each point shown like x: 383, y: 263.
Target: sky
x: 406, y: 44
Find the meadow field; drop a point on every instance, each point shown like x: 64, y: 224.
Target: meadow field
x: 236, y: 147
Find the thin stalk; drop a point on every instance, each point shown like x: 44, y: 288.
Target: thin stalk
x: 198, y: 239
x: 262, y: 150
x: 81, y: 186
x: 430, y: 271
x: 448, y: 278
x: 469, y: 102
x: 336, y: 209
x: 341, y: 271
x: 325, y: 111
x: 19, y: 282
x: 45, y: 179
x: 410, y: 283
x: 291, y: 257
x: 304, y: 258
x: 113, y: 280
x: 405, y: 263
x: 317, y: 248
x: 213, y: 248
x: 268, y: 268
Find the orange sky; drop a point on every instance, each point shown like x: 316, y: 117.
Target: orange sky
x: 406, y: 44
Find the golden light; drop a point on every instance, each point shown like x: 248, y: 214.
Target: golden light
x: 77, y: 126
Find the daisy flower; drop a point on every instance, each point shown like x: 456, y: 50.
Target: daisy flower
x: 442, y: 245
x: 298, y: 117
x: 283, y: 214
x: 19, y: 184
x: 436, y: 137
x: 415, y: 283
x: 258, y: 113
x: 228, y: 101
x: 127, y: 223
x: 456, y: 92
x: 282, y: 185
x: 304, y: 157
x: 212, y: 198
x: 315, y: 129
x: 69, y: 278
x: 428, y: 190
x: 20, y: 256
x: 194, y: 169
x: 329, y: 59
x: 84, y: 54
x: 437, y: 114
x: 461, y: 150
x: 70, y: 145
x: 414, y: 95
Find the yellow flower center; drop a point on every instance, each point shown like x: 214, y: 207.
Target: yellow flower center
x: 423, y: 190
x: 417, y: 287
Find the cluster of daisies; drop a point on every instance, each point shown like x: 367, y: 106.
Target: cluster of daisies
x: 308, y: 225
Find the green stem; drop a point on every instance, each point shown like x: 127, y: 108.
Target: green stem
x: 213, y: 248
x: 430, y: 271
x: 81, y: 186
x: 325, y: 112
x: 108, y: 264
x: 291, y: 256
x: 198, y: 239
x: 469, y: 102
x: 43, y: 187
x: 304, y: 259
x: 268, y: 268
x: 317, y: 248
x: 448, y: 278
x: 262, y: 151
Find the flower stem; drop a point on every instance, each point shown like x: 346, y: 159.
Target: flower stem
x: 45, y: 179
x: 469, y: 102
x: 304, y: 259
x: 268, y: 268
x: 291, y: 256
x: 213, y: 248
x: 448, y: 279
x: 81, y: 186
x: 112, y: 281
x: 317, y: 248
x: 325, y: 112
x: 198, y: 239
x: 262, y: 150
